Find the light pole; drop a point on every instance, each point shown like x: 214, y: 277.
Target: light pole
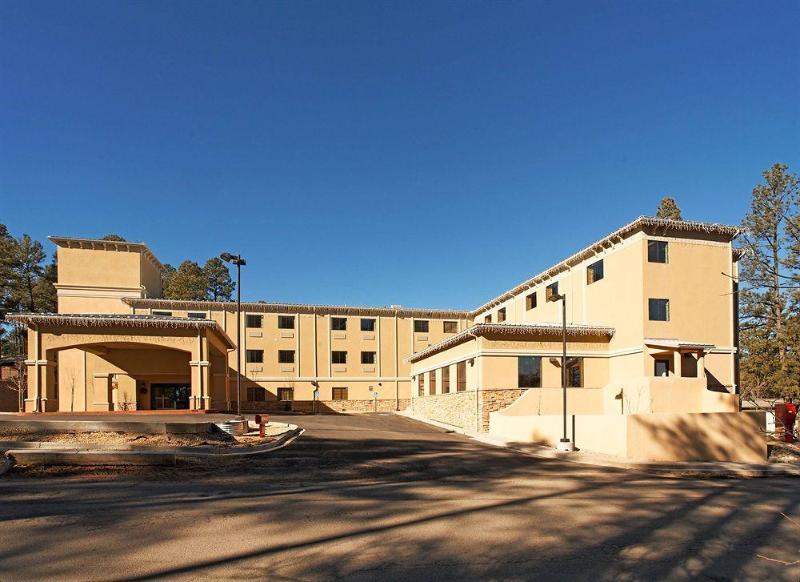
x: 564, y: 444
x: 239, y: 262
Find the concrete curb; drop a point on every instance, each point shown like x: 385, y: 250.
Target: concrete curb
x: 154, y: 456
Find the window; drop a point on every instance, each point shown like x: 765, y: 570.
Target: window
x: 254, y: 356
x: 594, y: 272
x: 432, y: 382
x: 421, y: 384
x: 253, y: 320
x: 285, y: 394
x: 450, y: 326
x: 445, y: 379
x: 530, y: 301
x: 339, y: 393
x: 661, y: 368
x: 659, y: 309
x: 338, y: 323
x: 488, y: 319
x: 461, y: 376
x: 286, y: 322
x: 551, y: 291
x: 367, y: 357
x: 501, y: 314
x: 339, y: 357
x: 162, y: 313
x: 421, y: 325
x: 256, y: 394
x: 575, y: 373
x: 286, y: 356
x: 197, y: 315
x: 529, y: 372
x: 657, y: 251
x: 367, y: 325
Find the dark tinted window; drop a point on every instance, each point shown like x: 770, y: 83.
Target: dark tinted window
x: 530, y: 301
x: 367, y: 357
x: 529, y: 371
x: 338, y: 323
x: 661, y: 368
x: 254, y: 356
x: 253, y: 321
x: 286, y: 322
x: 594, y: 272
x: 367, y: 325
x: 657, y: 251
x: 551, y: 291
x: 501, y: 315
x: 421, y: 325
x: 286, y: 356
x: 339, y: 357
x: 659, y: 309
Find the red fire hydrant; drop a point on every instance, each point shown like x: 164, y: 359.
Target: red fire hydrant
x: 785, y: 416
x: 261, y: 421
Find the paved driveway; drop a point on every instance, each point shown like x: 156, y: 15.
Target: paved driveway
x: 383, y: 497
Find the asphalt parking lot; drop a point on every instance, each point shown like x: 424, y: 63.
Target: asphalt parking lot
x: 383, y: 497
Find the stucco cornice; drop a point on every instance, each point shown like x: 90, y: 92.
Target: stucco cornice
x: 511, y: 330
x: 106, y: 245
x: 259, y: 307
x: 94, y: 320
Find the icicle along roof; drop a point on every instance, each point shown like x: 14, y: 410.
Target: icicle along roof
x: 667, y: 225
x: 264, y: 307
x: 512, y: 329
x: 90, y: 320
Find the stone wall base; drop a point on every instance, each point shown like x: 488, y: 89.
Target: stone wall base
x: 325, y: 406
x: 463, y: 409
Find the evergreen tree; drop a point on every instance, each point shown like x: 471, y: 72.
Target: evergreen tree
x: 668, y: 208
x: 45, y: 289
x: 769, y: 281
x: 166, y: 276
x: 187, y: 283
x: 218, y: 280
x: 8, y: 255
x: 28, y: 270
x: 113, y: 237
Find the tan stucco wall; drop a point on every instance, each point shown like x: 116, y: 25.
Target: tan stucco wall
x: 722, y: 436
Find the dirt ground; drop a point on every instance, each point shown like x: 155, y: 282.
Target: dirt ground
x: 780, y: 452
x: 217, y: 438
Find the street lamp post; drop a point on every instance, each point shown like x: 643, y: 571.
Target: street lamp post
x: 239, y: 262
x: 565, y: 444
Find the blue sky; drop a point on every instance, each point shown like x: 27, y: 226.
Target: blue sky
x: 426, y: 154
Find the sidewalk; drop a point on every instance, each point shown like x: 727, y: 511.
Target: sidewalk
x: 716, y: 469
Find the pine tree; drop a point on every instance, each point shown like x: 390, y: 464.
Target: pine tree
x: 769, y: 281
x: 28, y: 270
x: 8, y: 255
x: 218, y: 280
x: 113, y: 237
x: 668, y: 208
x: 187, y: 283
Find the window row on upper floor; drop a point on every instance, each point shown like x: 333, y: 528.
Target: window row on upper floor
x: 657, y: 252
x: 288, y: 357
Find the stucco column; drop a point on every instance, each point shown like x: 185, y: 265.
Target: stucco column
x: 201, y: 375
x: 701, y: 364
x: 678, y: 363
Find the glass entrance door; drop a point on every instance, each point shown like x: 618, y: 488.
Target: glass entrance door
x: 170, y: 396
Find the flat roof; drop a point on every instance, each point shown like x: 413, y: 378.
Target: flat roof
x: 511, y: 329
x: 123, y: 320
